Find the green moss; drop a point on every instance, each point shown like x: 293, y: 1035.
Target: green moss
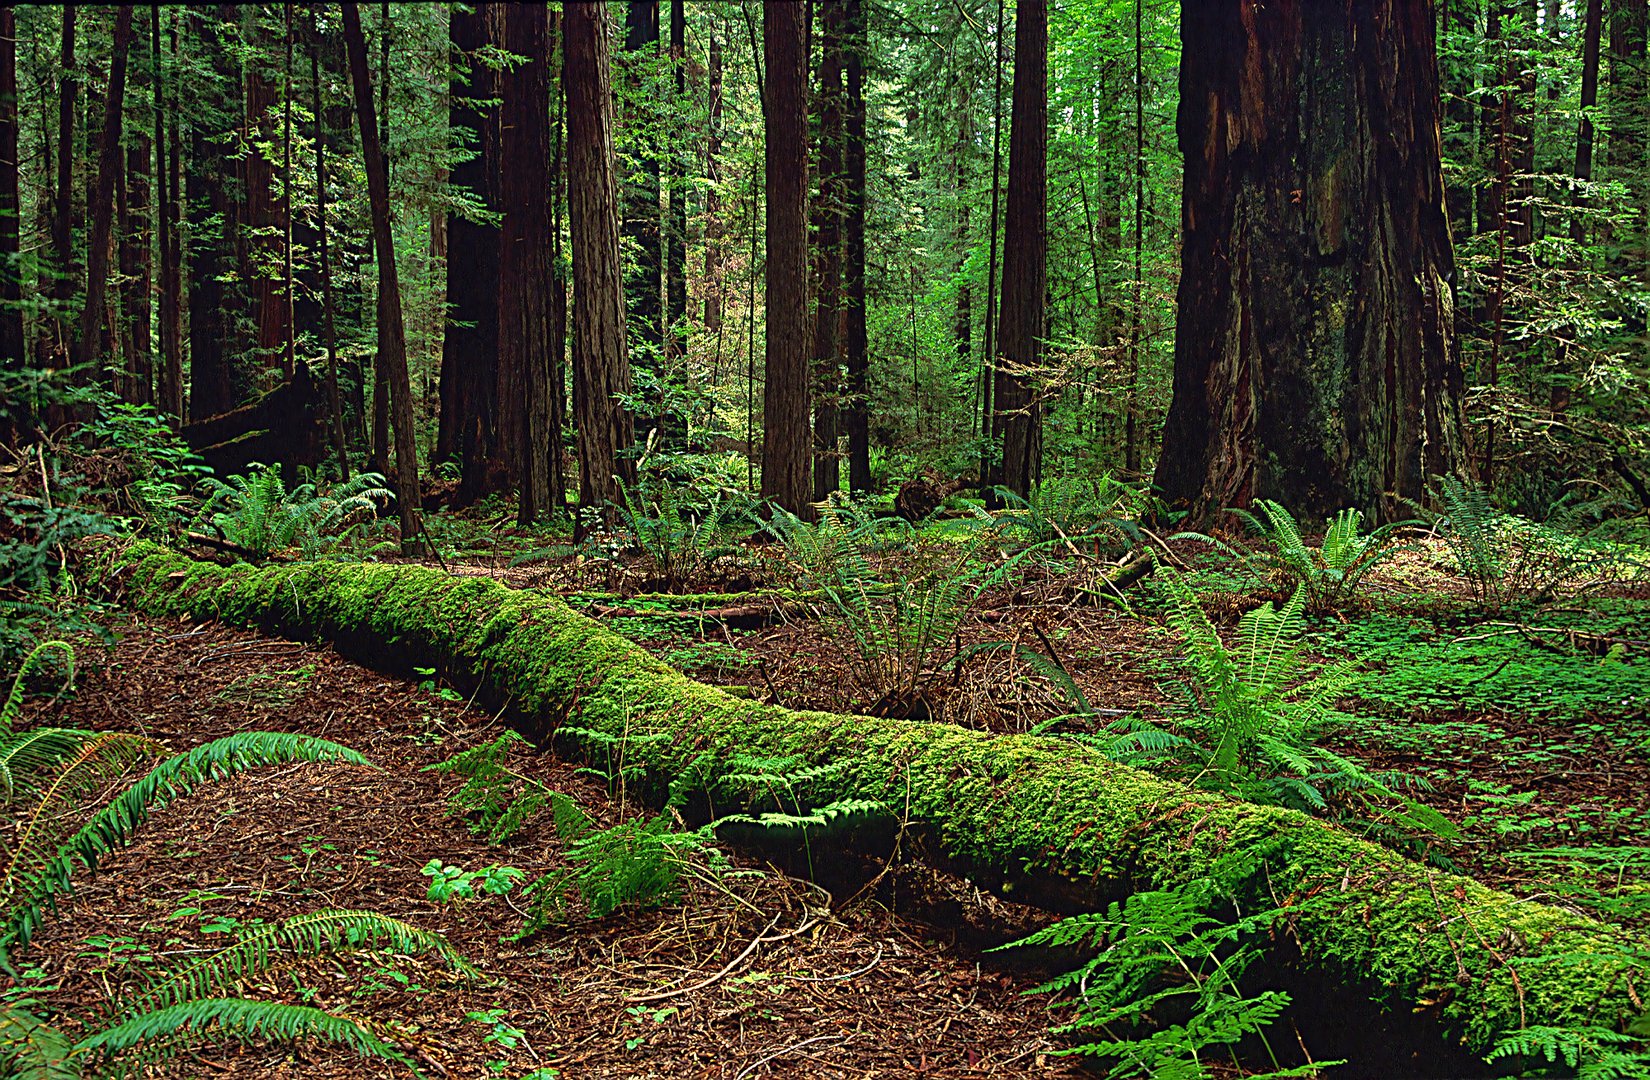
x: 1020, y: 812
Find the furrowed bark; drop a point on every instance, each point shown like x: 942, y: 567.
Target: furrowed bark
x: 1024, y: 814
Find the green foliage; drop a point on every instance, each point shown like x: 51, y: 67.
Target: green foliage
x: 1097, y: 512
x: 63, y: 766
x: 501, y: 801
x: 258, y: 513
x: 1508, y: 558
x: 453, y: 882
x: 1258, y: 710
x: 161, y: 471
x: 635, y: 864
x: 1170, y: 952
x: 682, y: 531
x: 837, y: 547
x: 1330, y: 573
x: 1586, y: 1053
x: 50, y: 774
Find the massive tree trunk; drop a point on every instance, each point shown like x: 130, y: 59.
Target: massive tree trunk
x: 828, y: 214
x: 12, y: 349
x: 393, y: 353
x: 856, y: 420
x: 524, y: 279
x: 329, y: 328
x: 468, y: 424
x: 1028, y: 815
x: 641, y: 213
x: 1314, y: 355
x: 108, y: 172
x: 601, y: 365
x: 1017, y: 413
x: 786, y: 439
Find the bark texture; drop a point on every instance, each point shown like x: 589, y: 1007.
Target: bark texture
x: 856, y: 420
x: 829, y: 331
x: 601, y: 364
x: 392, y: 356
x: 109, y: 167
x: 1017, y: 414
x: 12, y: 353
x: 1314, y: 358
x: 524, y: 280
x: 467, y: 426
x: 786, y: 437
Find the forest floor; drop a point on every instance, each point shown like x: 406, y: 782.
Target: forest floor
x: 1528, y: 726
x: 753, y: 973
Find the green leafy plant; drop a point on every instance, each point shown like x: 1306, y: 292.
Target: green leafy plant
x: 50, y: 774
x: 1331, y: 573
x: 453, y: 882
x: 1180, y: 952
x: 181, y: 1004
x: 1508, y: 558
x: 1087, y: 512
x: 499, y: 801
x: 683, y: 533
x: 1586, y: 1053
x: 1257, y: 710
x: 259, y: 514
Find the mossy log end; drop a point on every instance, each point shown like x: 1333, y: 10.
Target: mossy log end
x: 1022, y: 813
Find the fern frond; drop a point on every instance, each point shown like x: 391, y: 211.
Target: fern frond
x: 312, y: 934
x: 14, y: 697
x: 113, y: 826
x: 27, y: 756
x: 165, y: 1031
x: 31, y: 1048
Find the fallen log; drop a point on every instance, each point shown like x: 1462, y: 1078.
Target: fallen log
x: 1026, y: 815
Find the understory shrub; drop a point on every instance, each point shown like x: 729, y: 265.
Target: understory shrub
x: 258, y: 513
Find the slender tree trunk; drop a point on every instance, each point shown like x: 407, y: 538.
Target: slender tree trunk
x: 785, y: 434
x: 108, y: 173
x: 1314, y: 358
x: 169, y: 391
x: 1137, y: 314
x: 601, y: 366
x: 1023, y: 322
x: 1590, y: 37
x: 289, y: 362
x: 12, y: 350
x: 713, y: 197
x: 135, y: 271
x: 263, y: 217
x: 394, y: 354
x: 557, y: 390
x: 381, y: 392
x: 991, y: 468
x: 1628, y: 106
x: 856, y: 416
x: 1458, y: 82
x: 63, y: 282
x: 468, y: 423
x: 676, y: 235
x: 329, y: 329
x: 524, y: 262
x: 641, y: 222
x: 828, y: 214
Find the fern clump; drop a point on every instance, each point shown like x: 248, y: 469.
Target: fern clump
x: 1507, y: 558
x: 499, y: 802
x: 683, y: 533
x: 1179, y: 952
x: 1257, y: 710
x: 1096, y: 512
x: 50, y: 774
x: 1329, y: 574
x: 259, y: 514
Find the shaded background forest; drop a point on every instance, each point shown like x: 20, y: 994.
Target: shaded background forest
x: 240, y: 242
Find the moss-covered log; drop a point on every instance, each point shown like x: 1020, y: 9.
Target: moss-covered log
x: 1020, y: 812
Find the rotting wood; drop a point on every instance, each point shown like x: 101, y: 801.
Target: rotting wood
x: 1029, y: 815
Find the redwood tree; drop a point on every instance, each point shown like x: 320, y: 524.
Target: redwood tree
x: 828, y: 213
x: 393, y: 339
x: 1314, y: 357
x: 108, y: 172
x: 786, y: 438
x: 469, y: 352
x: 601, y: 364
x: 1022, y: 322
x: 11, y: 284
x: 855, y: 413
x: 524, y: 279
